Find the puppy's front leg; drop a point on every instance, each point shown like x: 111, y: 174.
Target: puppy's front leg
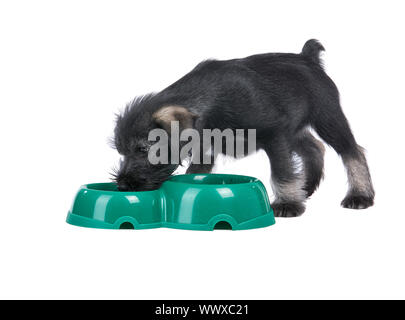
x: 199, y: 168
x: 288, y: 185
x: 199, y: 165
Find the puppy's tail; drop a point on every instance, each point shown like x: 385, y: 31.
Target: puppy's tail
x: 312, y: 49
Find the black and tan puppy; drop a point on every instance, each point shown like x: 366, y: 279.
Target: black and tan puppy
x: 281, y: 95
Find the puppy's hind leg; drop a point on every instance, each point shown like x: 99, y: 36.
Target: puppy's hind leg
x: 332, y: 126
x: 361, y: 191
x: 287, y: 184
x: 311, y: 151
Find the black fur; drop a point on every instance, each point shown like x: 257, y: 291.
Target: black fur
x: 280, y: 95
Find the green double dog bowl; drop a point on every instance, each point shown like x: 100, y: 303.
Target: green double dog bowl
x: 191, y: 201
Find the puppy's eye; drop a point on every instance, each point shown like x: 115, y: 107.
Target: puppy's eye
x: 143, y: 149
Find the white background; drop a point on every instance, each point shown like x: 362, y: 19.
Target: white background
x: 67, y: 66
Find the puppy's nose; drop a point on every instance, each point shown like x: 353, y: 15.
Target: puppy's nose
x: 122, y: 186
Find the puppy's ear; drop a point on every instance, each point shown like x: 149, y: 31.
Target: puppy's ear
x: 165, y: 115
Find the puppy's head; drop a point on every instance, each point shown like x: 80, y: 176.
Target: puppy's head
x: 135, y: 172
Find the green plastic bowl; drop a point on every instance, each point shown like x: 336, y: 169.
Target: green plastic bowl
x: 190, y: 201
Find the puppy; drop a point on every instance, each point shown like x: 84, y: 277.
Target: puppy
x: 280, y: 95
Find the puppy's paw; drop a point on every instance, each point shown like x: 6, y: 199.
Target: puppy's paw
x: 357, y: 201
x: 288, y: 209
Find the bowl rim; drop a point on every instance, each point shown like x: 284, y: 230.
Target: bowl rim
x: 87, y: 187
x: 252, y: 180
